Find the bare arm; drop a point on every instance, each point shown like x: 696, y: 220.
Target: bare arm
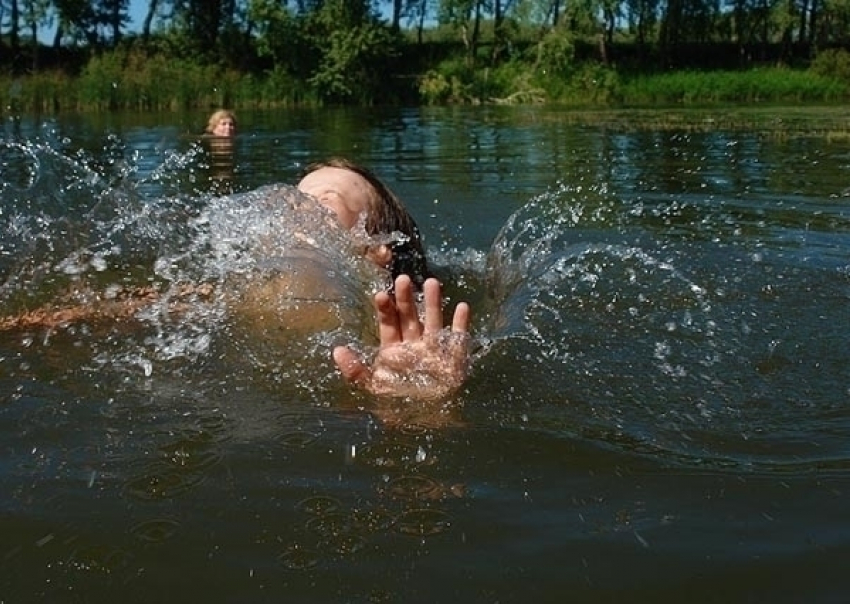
x: 416, y: 359
x: 87, y: 305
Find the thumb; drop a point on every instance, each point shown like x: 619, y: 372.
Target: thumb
x: 351, y: 365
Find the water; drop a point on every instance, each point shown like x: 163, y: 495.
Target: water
x: 659, y: 406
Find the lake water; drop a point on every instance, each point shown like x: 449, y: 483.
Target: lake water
x: 658, y: 409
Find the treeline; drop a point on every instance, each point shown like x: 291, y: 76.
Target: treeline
x: 266, y: 53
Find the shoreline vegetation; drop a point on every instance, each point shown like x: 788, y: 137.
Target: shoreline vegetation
x: 269, y: 55
x: 830, y: 122
x: 778, y: 101
x: 121, y: 81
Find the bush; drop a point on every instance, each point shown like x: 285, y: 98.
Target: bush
x: 832, y: 63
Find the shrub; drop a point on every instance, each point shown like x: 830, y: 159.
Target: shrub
x: 832, y: 63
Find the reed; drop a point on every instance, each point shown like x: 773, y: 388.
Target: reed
x: 765, y: 85
x: 42, y: 92
x: 136, y: 81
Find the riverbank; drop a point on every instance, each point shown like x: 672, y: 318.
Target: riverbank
x: 132, y: 83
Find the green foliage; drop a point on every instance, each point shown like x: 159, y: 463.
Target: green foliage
x: 756, y: 85
x: 343, y: 54
x: 592, y: 84
x: 45, y: 91
x: 355, y: 53
x: 350, y: 68
x: 832, y: 63
x: 282, y: 38
x: 280, y: 88
x: 136, y: 81
x: 436, y: 89
x: 454, y: 82
x: 449, y: 83
x: 98, y: 82
x: 508, y: 78
x: 554, y: 55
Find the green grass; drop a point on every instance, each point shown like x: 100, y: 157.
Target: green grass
x: 763, y: 85
x: 132, y: 80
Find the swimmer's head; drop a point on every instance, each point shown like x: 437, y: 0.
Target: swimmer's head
x: 222, y: 123
x: 350, y: 190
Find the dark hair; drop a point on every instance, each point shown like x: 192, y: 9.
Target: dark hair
x: 387, y: 216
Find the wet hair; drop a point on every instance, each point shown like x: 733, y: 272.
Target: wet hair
x: 217, y: 116
x: 386, y: 216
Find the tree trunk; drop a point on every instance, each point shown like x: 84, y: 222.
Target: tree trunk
x: 396, y: 22
x: 420, y: 30
x: 814, y: 15
x: 476, y: 33
x: 34, y: 44
x: 57, y: 38
x: 115, y: 18
x: 146, y: 26
x: 14, y: 38
x: 556, y: 12
x: 498, y: 32
x: 804, y: 14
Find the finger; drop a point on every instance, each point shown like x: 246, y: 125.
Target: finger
x: 460, y: 321
x: 408, y: 313
x: 352, y: 366
x: 389, y: 330
x: 433, y: 306
x: 457, y: 348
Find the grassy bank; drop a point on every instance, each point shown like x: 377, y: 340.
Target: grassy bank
x: 131, y: 82
x: 127, y: 82
x: 763, y: 85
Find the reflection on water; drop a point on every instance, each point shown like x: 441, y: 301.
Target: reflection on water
x: 222, y: 163
x: 659, y: 401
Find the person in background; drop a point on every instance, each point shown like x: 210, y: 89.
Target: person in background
x: 416, y: 357
x: 222, y: 123
x: 219, y: 139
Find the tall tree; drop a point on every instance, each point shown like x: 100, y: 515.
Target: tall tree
x: 14, y: 26
x: 642, y: 18
x: 419, y: 10
x: 76, y: 20
x: 465, y: 16
x: 35, y: 14
x: 149, y: 16
x: 354, y: 50
x: 114, y: 16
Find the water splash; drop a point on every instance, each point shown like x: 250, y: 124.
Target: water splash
x: 670, y: 346
x: 94, y: 234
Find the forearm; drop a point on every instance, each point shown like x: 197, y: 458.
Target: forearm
x: 84, y: 305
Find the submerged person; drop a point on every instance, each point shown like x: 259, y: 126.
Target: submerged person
x: 407, y: 342
x: 294, y: 282
x: 219, y: 138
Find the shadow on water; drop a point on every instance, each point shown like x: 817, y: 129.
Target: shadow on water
x: 659, y: 387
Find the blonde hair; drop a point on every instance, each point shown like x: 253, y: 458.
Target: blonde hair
x: 387, y: 216
x: 217, y: 116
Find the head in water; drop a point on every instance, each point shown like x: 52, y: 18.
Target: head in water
x: 349, y: 189
x: 222, y: 123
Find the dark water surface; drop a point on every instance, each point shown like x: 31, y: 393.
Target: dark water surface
x: 659, y: 408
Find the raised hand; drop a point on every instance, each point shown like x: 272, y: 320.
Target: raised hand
x: 416, y: 359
